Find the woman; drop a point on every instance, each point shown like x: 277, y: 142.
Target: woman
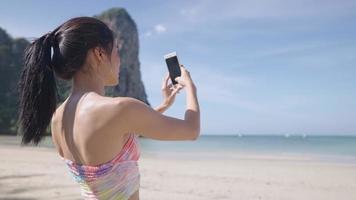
x: 96, y: 136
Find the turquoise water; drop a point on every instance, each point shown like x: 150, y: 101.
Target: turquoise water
x: 336, y: 148
x: 330, y: 145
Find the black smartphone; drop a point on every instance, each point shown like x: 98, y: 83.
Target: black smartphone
x: 173, y: 66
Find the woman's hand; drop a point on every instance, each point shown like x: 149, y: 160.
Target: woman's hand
x: 185, y: 78
x: 169, y: 91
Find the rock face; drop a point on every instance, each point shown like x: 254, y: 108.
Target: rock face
x: 130, y: 83
x: 11, y: 51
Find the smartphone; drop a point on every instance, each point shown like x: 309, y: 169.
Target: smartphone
x: 173, y: 66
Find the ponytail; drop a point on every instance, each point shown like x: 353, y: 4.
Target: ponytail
x: 37, y: 90
x: 71, y: 42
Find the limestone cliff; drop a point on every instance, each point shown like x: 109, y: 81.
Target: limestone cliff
x: 125, y: 29
x: 11, y: 50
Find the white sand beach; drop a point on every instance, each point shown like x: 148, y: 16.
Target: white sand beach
x: 38, y: 173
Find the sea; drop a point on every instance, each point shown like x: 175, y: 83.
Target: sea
x: 339, y: 149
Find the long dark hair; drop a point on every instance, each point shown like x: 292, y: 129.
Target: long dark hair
x: 37, y: 85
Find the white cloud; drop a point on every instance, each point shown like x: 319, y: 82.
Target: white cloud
x: 160, y: 28
x: 188, y: 11
x: 156, y: 30
x: 148, y: 34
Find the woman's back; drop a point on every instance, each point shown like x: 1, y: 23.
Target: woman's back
x: 97, y: 154
x: 84, y: 131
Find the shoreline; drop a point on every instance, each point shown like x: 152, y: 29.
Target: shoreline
x: 7, y: 140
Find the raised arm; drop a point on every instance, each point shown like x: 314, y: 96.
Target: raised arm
x: 142, y: 119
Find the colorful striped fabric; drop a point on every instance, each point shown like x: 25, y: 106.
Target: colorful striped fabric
x: 116, y: 179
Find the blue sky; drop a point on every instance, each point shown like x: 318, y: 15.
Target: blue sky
x: 261, y: 67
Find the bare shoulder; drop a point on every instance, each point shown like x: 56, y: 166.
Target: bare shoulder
x: 114, y: 105
x: 102, y: 109
x: 135, y: 109
x: 129, y: 102
x: 95, y: 110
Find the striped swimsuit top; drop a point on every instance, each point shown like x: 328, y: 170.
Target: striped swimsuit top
x: 116, y: 179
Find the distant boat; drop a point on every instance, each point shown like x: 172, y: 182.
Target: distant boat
x: 286, y: 135
x: 239, y: 134
x: 304, y: 135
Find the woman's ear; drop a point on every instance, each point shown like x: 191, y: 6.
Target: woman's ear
x: 98, y: 54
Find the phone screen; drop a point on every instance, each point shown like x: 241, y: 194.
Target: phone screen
x: 173, y: 68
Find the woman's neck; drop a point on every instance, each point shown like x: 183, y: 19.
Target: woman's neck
x: 83, y: 83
